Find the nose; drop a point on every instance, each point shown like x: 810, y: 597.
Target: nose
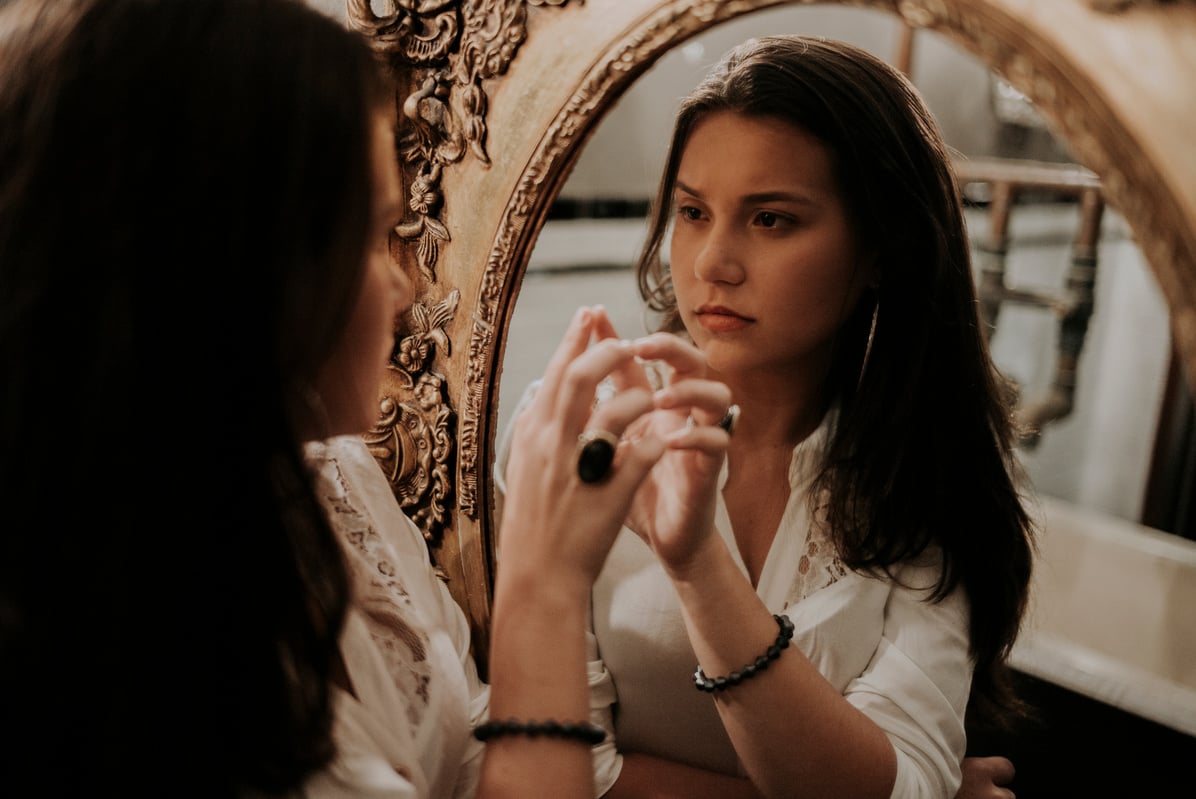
x: 718, y: 257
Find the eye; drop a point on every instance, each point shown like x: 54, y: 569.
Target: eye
x: 767, y: 219
x: 689, y: 213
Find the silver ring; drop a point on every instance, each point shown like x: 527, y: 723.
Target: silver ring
x: 595, y: 454
x: 730, y: 419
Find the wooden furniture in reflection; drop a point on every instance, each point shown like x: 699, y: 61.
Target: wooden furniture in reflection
x: 1007, y: 180
x: 1073, y: 303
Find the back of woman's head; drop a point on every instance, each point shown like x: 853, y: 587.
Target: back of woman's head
x: 184, y: 199
x: 921, y: 453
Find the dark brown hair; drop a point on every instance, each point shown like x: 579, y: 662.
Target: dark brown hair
x: 922, y: 452
x: 184, y: 202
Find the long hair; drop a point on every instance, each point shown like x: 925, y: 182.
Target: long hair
x: 922, y: 452
x: 184, y: 202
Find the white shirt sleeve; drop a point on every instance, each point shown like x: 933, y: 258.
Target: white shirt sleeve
x: 917, y: 684
x: 607, y: 760
x: 359, y: 770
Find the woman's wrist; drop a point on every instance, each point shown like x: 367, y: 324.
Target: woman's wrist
x: 537, y: 655
x: 706, y: 562
x: 555, y: 589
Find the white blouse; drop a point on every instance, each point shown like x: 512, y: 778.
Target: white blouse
x: 405, y: 731
x: 902, y: 661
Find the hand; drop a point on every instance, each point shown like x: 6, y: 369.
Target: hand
x: 673, y: 511
x: 984, y: 778
x: 553, y: 522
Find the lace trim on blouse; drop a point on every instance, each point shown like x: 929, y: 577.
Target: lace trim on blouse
x: 819, y: 565
x: 382, y: 598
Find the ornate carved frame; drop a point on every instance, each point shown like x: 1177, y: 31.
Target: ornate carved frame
x: 496, y: 98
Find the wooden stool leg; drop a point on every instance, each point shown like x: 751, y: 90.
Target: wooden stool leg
x: 992, y: 252
x: 1078, y: 305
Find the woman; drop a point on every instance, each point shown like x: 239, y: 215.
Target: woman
x: 195, y: 281
x: 867, y: 510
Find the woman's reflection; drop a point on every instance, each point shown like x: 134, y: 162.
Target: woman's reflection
x: 868, y: 507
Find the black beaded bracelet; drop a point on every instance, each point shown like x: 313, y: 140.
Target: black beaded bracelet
x: 586, y: 732
x: 704, y: 683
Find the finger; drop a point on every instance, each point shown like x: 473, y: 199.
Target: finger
x: 633, y: 462
x: 699, y: 438
x: 572, y: 344
x: 579, y: 382
x: 629, y: 375
x: 685, y: 359
x: 603, y: 326
x: 706, y: 401
x: 993, y: 768
x: 616, y: 414
x: 1002, y: 770
x: 600, y: 449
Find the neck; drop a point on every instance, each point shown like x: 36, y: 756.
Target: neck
x: 775, y: 411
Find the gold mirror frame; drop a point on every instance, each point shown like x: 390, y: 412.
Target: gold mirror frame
x: 497, y: 97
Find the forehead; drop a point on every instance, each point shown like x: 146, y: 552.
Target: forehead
x: 736, y: 153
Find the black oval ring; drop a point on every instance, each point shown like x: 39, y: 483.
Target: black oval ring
x: 595, y: 454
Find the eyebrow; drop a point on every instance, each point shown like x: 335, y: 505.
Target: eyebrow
x: 759, y: 197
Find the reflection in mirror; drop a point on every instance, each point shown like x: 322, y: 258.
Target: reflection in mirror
x: 1098, y: 455
x: 1095, y: 464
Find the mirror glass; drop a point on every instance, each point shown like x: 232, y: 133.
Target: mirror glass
x: 1096, y: 456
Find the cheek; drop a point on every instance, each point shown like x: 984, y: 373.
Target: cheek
x: 829, y: 269
x: 681, y: 260
x: 379, y: 292
x: 371, y: 327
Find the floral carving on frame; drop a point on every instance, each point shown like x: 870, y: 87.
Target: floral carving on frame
x: 447, y: 50
x: 451, y: 48
x: 413, y: 438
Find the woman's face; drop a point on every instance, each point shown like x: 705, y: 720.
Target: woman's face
x: 764, y: 261
x: 350, y: 382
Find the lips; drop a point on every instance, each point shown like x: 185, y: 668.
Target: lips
x: 719, y: 319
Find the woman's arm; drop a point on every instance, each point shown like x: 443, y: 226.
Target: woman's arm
x: 556, y: 533
x: 606, y: 759
x: 789, y: 725
x: 647, y: 777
